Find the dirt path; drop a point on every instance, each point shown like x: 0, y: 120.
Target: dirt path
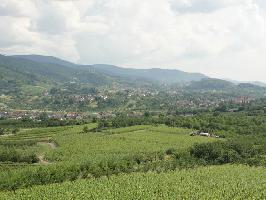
x: 51, y: 145
x: 42, y: 160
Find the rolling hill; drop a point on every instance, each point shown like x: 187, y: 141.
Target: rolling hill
x: 45, y: 82
x: 154, y: 74
x: 38, y: 69
x: 24, y: 70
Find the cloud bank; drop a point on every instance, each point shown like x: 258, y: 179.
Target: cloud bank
x: 222, y: 38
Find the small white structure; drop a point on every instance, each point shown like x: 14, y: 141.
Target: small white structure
x: 205, y: 134
x: 199, y: 133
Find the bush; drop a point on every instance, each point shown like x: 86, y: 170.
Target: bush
x: 85, y: 129
x: 15, y: 131
x: 2, y: 131
x: 224, y: 152
x: 10, y: 154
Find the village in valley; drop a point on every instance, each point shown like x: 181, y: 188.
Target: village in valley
x: 89, y: 99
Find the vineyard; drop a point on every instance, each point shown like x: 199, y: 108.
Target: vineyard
x: 214, y: 182
x: 121, y: 142
x: 136, y: 162
x: 53, y: 155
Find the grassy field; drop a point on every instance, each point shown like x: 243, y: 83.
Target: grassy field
x: 214, y: 182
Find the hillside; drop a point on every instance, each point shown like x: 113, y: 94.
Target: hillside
x: 211, y: 84
x: 167, y: 76
x: 44, y: 82
x: 154, y: 74
x: 25, y: 71
x: 45, y: 59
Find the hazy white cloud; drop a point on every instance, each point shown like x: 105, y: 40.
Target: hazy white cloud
x: 222, y: 38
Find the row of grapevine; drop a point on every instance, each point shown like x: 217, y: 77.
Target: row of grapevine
x: 214, y: 182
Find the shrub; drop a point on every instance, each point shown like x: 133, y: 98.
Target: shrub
x: 10, y: 154
x: 15, y: 131
x: 224, y: 152
x: 85, y: 129
x: 2, y: 131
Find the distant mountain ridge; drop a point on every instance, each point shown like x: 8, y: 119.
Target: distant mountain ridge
x: 258, y: 83
x: 38, y: 68
x: 30, y: 76
x: 24, y: 70
x: 212, y: 84
x: 154, y: 74
x: 45, y: 59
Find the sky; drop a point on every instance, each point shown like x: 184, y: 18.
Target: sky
x: 220, y: 38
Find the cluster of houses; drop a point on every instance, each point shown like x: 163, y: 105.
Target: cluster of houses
x: 140, y: 92
x: 202, y: 103
x: 103, y: 115
x: 205, y: 103
x: 19, y: 114
x: 36, y: 115
x: 65, y: 116
x: 89, y: 98
x: 242, y: 99
x: 53, y: 115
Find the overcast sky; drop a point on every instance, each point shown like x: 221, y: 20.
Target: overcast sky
x: 221, y: 38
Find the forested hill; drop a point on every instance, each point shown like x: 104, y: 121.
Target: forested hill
x: 211, y: 84
x: 34, y: 82
x: 208, y: 84
x: 37, y: 69
x: 26, y: 71
x: 155, y: 74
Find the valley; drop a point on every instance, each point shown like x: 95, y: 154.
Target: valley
x: 104, y: 132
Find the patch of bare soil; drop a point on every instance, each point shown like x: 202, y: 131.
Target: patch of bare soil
x: 42, y: 160
x: 52, y: 145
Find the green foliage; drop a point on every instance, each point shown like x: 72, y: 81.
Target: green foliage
x: 146, y: 114
x: 114, y: 151
x: 43, y: 116
x: 15, y: 131
x: 85, y: 129
x: 224, y: 152
x: 31, y: 83
x: 225, y: 124
x: 29, y: 123
x: 135, y: 140
x: 219, y: 182
x: 2, y: 131
x: 122, y: 146
x: 11, y: 154
x: 211, y: 84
